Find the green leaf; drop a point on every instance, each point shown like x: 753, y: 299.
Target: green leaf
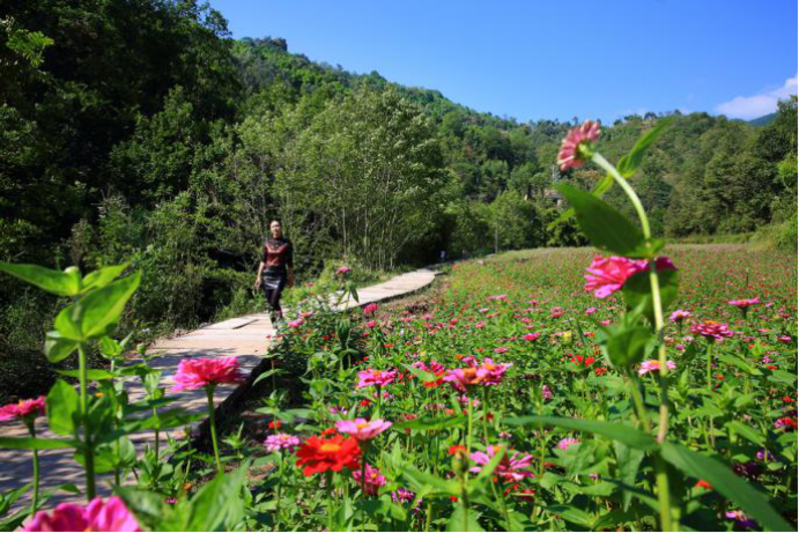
x: 268, y: 373
x: 100, y: 278
x: 110, y: 347
x: 724, y: 481
x: 92, y: 374
x: 65, y: 283
x: 219, y: 505
x: 429, y: 424
x: 619, y: 432
x: 629, y: 163
x: 423, y: 375
x: 629, y: 461
x: 626, y: 345
x: 62, y: 408
x: 461, y: 514
x: 101, y: 308
x: 739, y: 363
x: 638, y: 292
x: 29, y: 443
x: 57, y: 347
x: 423, y: 479
x: 601, y: 188
x: 571, y: 514
x: 605, y: 227
x: 747, y: 432
x: 67, y: 325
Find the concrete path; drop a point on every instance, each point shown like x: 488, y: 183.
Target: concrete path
x: 246, y: 337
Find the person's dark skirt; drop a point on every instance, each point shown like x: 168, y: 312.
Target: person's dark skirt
x: 273, y: 284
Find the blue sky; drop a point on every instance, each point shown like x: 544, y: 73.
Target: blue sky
x: 534, y: 59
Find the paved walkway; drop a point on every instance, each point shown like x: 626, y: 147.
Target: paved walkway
x: 246, y: 337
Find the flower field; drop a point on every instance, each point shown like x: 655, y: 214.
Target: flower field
x: 642, y: 387
x: 519, y: 335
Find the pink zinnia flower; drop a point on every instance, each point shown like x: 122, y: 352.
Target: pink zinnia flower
x: 494, y: 371
x: 111, y: 515
x: 26, y: 409
x: 282, y: 441
x: 465, y: 377
x: 607, y: 275
x: 590, y: 311
x: 512, y: 468
x: 374, y: 479
x: 296, y: 323
x: 712, y: 330
x: 369, y: 309
x: 362, y: 429
x: 195, y: 374
x: 679, y: 315
x: 654, y: 365
x: 564, y: 444
x: 379, y: 378
x: 343, y: 270
x: 531, y: 336
x: 501, y: 349
x: 743, y: 304
x: 569, y: 155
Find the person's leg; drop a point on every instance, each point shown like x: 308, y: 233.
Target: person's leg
x: 275, y: 303
x: 269, y: 294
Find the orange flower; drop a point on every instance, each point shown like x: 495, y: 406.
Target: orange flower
x: 320, y: 455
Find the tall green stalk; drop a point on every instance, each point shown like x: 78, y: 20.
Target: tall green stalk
x: 667, y: 522
x: 35, y: 500
x: 88, y: 445
x: 209, y: 392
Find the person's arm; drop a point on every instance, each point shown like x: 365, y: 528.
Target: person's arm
x: 260, y: 269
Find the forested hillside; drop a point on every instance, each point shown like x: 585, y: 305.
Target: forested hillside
x: 141, y: 131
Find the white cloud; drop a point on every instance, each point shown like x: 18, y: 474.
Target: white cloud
x: 749, y: 107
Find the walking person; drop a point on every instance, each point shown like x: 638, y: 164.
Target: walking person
x: 276, y: 270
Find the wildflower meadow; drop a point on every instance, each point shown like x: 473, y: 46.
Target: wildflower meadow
x: 628, y: 386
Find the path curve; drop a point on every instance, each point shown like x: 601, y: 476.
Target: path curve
x: 246, y: 337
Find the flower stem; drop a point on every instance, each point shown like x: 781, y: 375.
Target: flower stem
x: 87, y: 433
x: 664, y: 497
x: 710, y: 366
x: 35, y: 500
x: 209, y: 391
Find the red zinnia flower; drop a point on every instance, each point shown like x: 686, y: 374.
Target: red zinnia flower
x: 320, y: 455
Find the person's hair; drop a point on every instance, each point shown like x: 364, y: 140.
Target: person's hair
x: 276, y: 220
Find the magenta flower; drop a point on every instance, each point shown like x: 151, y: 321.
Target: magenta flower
x: 590, y: 311
x: 743, y: 304
x: 25, y: 409
x: 373, y: 479
x: 195, y: 374
x: 460, y: 378
x: 361, y: 429
x: 607, y: 275
x: 531, y: 337
x: 343, y: 270
x: 569, y: 155
x: 282, y: 441
x: 679, y: 315
x: 378, y: 378
x: 710, y: 329
x: 546, y: 393
x: 296, y: 323
x: 111, y: 515
x: 494, y: 371
x: 512, y: 468
x: 565, y: 444
x: 369, y: 309
x: 653, y: 366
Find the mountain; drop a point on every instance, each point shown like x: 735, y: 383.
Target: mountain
x: 764, y: 120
